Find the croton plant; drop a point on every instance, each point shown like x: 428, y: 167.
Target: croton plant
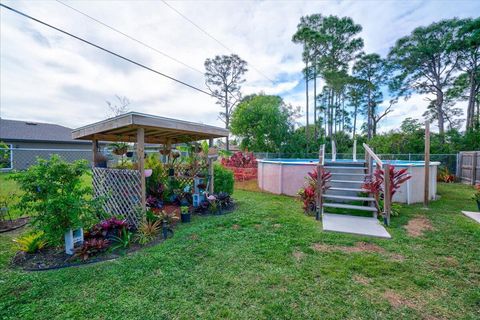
x: 307, y: 194
x: 374, y: 185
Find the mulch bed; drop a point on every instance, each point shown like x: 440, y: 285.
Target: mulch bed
x: 56, y: 258
x: 8, y: 225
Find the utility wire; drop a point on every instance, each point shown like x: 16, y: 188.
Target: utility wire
x: 212, y: 37
x: 111, y: 52
x: 130, y: 37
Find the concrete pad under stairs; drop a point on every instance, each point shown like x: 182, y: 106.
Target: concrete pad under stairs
x: 364, y: 226
x: 472, y: 215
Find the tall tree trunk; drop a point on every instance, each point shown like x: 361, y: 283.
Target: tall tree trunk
x: 354, y: 121
x: 471, y: 103
x: 315, y: 102
x: 439, y: 107
x: 306, y: 96
x: 369, y: 115
x: 227, y: 119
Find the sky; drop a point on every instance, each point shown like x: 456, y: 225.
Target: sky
x: 46, y: 76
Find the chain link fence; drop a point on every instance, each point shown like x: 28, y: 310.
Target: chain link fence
x: 22, y: 158
x: 450, y: 161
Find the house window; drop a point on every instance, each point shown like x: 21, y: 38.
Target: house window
x: 6, y: 157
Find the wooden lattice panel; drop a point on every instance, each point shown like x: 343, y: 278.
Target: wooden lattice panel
x: 121, y: 190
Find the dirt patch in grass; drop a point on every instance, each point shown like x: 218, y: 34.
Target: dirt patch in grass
x: 417, y: 226
x: 361, y: 279
x: 397, y: 300
x: 250, y: 185
x: 298, y: 255
x: 277, y: 225
x: 236, y: 227
x: 193, y: 236
x: 358, y: 247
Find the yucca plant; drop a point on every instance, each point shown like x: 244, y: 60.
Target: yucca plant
x: 32, y: 242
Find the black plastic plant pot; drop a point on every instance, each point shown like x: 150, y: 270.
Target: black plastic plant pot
x: 102, y: 164
x: 171, y: 172
x: 129, y: 154
x: 165, y: 230
x: 185, y: 217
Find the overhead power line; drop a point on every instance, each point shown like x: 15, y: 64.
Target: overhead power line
x: 110, y: 52
x: 213, y: 38
x: 130, y: 37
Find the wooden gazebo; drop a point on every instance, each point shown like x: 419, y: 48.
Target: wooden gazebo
x: 143, y: 128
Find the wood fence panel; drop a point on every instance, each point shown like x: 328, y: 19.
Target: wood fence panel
x: 469, y: 167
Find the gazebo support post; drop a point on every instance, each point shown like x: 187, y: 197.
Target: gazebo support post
x: 95, y: 152
x: 141, y: 163
x: 210, y: 168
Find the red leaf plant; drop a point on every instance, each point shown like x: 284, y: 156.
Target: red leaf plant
x: 308, y: 193
x: 375, y: 184
x: 240, y: 160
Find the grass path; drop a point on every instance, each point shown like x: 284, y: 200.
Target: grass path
x: 269, y: 261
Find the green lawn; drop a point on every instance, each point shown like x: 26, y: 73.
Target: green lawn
x: 260, y: 263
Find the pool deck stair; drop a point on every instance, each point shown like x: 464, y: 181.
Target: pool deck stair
x: 345, y: 188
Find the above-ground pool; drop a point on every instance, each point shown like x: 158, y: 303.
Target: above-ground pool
x: 287, y: 176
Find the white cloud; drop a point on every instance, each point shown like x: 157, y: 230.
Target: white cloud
x: 47, y: 76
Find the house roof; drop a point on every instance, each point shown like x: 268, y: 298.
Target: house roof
x: 17, y: 130
x: 157, y: 129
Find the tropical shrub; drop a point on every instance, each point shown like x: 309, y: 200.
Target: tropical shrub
x: 4, y: 155
x: 107, y: 228
x: 376, y: 183
x: 223, y: 179
x: 156, y: 182
x: 147, y: 231
x: 32, y: 242
x: 53, y: 192
x: 123, y: 241
x: 476, y: 195
x: 307, y: 194
x: 444, y: 175
x: 91, y: 247
x: 240, y: 160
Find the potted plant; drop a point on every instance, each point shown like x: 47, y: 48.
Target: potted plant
x: 476, y: 196
x: 100, y: 160
x: 167, y: 219
x: 119, y: 148
x: 185, y: 214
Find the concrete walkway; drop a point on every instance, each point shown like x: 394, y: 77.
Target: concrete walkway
x: 473, y: 215
x: 364, y: 226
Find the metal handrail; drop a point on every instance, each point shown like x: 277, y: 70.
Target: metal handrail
x: 373, y: 155
x: 334, y: 151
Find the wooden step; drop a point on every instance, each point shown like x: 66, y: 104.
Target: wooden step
x: 347, y: 189
x: 332, y: 196
x: 346, y: 181
x: 349, y: 206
